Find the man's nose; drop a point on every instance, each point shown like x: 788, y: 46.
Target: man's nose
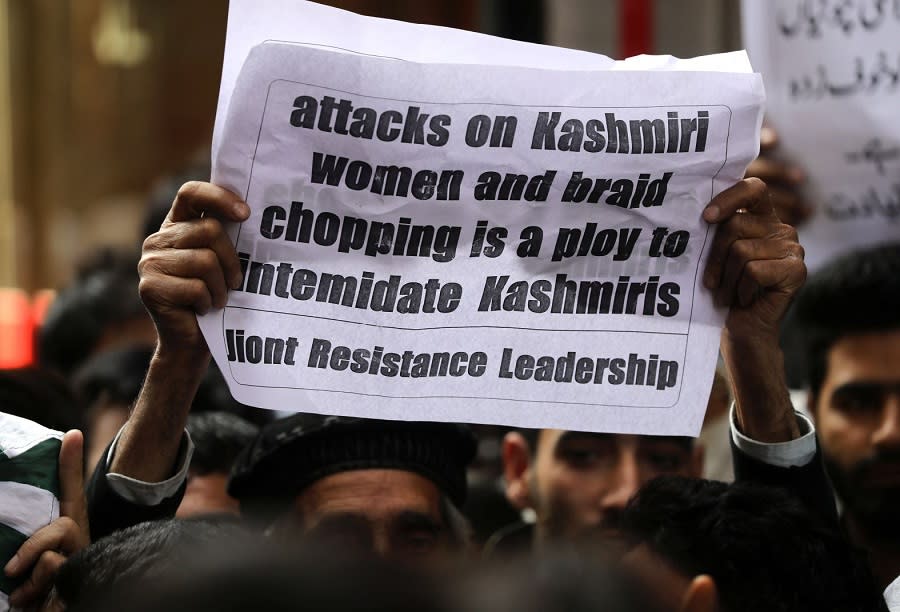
x: 887, y: 436
x: 626, y: 480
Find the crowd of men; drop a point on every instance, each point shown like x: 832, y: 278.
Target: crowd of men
x: 175, y: 497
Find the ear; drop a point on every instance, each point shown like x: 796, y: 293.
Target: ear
x: 516, y: 464
x: 698, y: 454
x: 701, y: 596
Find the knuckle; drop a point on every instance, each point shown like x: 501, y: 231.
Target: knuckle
x: 206, y: 260
x: 148, y: 290
x: 47, y: 560
x: 756, y: 187
x: 149, y: 264
x: 743, y: 249
x: 152, y: 242
x: 789, y: 232
x: 209, y: 229
x: 188, y: 191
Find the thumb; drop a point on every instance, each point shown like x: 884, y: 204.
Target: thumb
x: 72, y: 501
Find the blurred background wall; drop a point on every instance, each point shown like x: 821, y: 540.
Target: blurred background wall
x: 100, y: 98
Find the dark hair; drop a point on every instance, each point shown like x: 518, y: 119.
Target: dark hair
x: 164, y: 190
x: 213, y: 396
x: 554, y: 581
x: 533, y: 435
x: 761, y: 545
x: 41, y: 396
x: 263, y: 576
x: 104, y: 292
x: 137, y: 554
x: 219, y: 437
x: 117, y: 375
x: 856, y: 294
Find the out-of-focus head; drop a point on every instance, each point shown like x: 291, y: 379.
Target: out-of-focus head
x: 98, y: 311
x: 849, y: 318
x: 264, y: 576
x: 219, y: 437
x: 108, y: 383
x: 393, y: 488
x: 137, y: 555
x: 745, y: 546
x: 579, y: 483
x: 554, y: 581
x: 41, y: 396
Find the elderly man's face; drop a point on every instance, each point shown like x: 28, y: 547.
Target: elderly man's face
x: 578, y: 482
x: 394, y: 513
x: 857, y: 415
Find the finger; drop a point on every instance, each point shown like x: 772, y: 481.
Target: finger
x: 72, y: 502
x: 765, y: 254
x: 748, y: 289
x: 768, y: 138
x: 194, y: 199
x: 750, y: 194
x: 741, y: 253
x: 787, y: 274
x: 193, y: 263
x: 772, y: 171
x: 63, y: 534
x: 176, y: 293
x: 40, y: 581
x: 201, y: 233
x: 739, y: 227
x: 789, y: 205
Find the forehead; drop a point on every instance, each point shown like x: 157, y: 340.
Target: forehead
x: 871, y: 357
x: 377, y: 494
x: 549, y: 439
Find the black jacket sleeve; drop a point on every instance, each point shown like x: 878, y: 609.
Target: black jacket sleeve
x: 808, y: 482
x: 108, y: 511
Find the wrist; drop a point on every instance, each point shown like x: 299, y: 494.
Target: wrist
x: 190, y: 357
x: 758, y: 341
x: 763, y: 409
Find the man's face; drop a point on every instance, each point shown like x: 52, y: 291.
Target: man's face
x: 582, y: 481
x: 857, y: 414
x: 394, y: 513
x: 207, y: 494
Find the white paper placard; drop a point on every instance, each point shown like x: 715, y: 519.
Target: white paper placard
x: 475, y: 243
x: 832, y: 74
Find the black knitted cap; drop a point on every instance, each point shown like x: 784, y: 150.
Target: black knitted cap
x: 292, y: 453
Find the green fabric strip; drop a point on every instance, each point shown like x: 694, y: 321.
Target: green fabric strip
x: 36, y: 467
x: 10, y: 541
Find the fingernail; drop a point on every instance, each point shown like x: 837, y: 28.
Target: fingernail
x: 711, y: 213
x: 12, y: 565
x: 708, y: 281
x: 236, y: 281
x: 242, y: 210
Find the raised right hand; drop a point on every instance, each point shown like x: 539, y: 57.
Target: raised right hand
x: 187, y: 267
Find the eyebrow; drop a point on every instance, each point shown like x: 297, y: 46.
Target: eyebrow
x: 568, y: 436
x: 864, y: 386
x: 572, y: 436
x: 341, y: 519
